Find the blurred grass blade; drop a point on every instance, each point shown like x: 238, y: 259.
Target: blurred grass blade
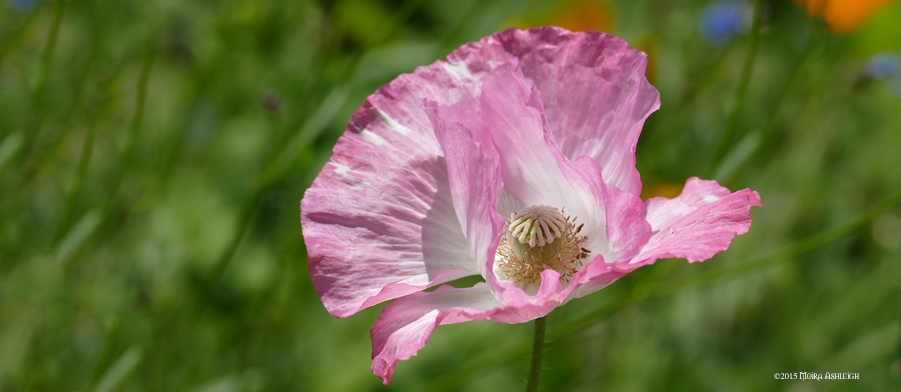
x: 223, y: 384
x: 8, y: 149
x: 864, y: 298
x: 250, y: 380
x: 746, y: 72
x: 77, y: 236
x: 501, y: 353
x: 324, y: 115
x: 865, y: 350
x: 309, y: 132
x: 768, y: 132
x: 79, y: 97
x: 87, y: 149
x: 16, y: 333
x: 12, y: 32
x: 112, y: 336
x: 731, y: 163
x: 37, y: 97
x: 280, y: 165
x: 59, y: 6
x: 120, y: 370
x: 134, y: 130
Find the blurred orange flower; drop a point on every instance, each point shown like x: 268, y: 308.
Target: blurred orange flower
x: 576, y: 15
x: 658, y: 189
x: 843, y: 16
x: 585, y: 15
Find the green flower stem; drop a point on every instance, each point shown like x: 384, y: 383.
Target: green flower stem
x: 729, y: 132
x: 537, y: 354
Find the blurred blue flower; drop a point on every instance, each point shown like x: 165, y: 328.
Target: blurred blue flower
x: 722, y: 20
x: 22, y: 5
x: 884, y: 64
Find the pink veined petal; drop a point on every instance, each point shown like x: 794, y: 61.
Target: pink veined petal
x: 379, y: 221
x: 376, y: 244
x: 404, y: 326
x: 627, y: 230
x: 474, y: 176
x: 476, y: 185
x: 595, y: 95
x: 536, y: 172
x: 696, y: 225
x: 531, y: 172
x: 699, y: 223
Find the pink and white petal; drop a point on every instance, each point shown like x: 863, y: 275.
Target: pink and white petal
x: 536, y: 172
x: 604, y: 278
x: 697, y: 224
x: 379, y: 220
x: 510, y: 107
x: 592, y: 85
x: 376, y: 236
x: 474, y: 177
x: 475, y: 180
x: 404, y: 326
x: 627, y: 231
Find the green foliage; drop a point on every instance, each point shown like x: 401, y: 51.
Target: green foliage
x: 153, y: 154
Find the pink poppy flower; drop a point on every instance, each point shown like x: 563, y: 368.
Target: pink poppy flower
x: 513, y: 160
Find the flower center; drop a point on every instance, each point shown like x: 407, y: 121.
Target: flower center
x: 536, y: 233
x: 538, y: 238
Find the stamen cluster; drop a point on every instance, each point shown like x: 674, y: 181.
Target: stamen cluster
x: 538, y: 238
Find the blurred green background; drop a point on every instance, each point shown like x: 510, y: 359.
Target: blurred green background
x: 153, y: 156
